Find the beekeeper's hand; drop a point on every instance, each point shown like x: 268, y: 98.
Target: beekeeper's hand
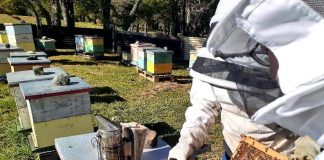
x: 306, y: 149
x: 180, y: 152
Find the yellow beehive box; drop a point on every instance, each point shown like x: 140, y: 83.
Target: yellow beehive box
x: 57, y: 111
x: 3, y: 37
x: 26, y: 46
x: 4, y: 68
x: 22, y: 63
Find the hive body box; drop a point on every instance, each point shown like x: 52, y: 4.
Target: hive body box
x: 46, y: 44
x: 3, y: 37
x: 16, y: 78
x: 20, y: 35
x: 22, y: 64
x: 4, y: 54
x: 126, y: 56
x: 142, y: 56
x: 94, y: 45
x: 25, y: 55
x: 159, y: 61
x: 134, y: 50
x: 79, y: 43
x: 57, y: 111
x: 193, y: 57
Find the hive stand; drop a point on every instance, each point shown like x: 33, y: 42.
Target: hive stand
x: 155, y: 77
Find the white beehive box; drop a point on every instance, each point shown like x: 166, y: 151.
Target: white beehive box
x: 57, y: 111
x: 20, y: 35
x: 16, y: 78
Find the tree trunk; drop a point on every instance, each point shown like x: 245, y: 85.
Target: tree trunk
x: 67, y: 12
x: 106, y: 23
x: 44, y: 12
x: 55, y: 13
x: 174, y: 17
x: 132, y: 15
x: 31, y: 8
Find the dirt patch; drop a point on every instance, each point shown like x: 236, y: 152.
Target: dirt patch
x: 163, y: 86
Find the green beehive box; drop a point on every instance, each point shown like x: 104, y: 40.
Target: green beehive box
x: 46, y: 44
x: 94, y: 44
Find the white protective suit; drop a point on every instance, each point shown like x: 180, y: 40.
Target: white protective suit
x: 293, y: 32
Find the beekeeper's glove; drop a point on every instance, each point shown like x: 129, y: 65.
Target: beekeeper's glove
x: 306, y: 149
x: 180, y: 152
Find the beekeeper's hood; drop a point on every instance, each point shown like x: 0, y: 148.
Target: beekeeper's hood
x: 294, y: 31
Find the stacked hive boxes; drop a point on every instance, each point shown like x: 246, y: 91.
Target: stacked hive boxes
x: 47, y: 44
x: 20, y: 35
x: 22, y: 64
x: 79, y: 44
x: 94, y: 45
x: 4, y: 54
x: 159, y: 61
x: 3, y: 37
x: 15, y: 78
x: 134, y: 50
x: 57, y: 111
x: 142, y: 56
x: 193, y: 57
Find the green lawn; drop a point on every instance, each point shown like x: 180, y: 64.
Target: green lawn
x: 118, y: 93
x: 28, y: 19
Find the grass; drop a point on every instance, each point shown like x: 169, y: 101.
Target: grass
x: 28, y: 19
x: 118, y: 93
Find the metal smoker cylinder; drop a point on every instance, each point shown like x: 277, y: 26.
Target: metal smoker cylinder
x: 110, y: 142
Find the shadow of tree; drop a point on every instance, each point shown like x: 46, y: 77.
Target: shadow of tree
x: 183, y: 79
x: 69, y: 62
x: 168, y: 133
x: 104, y: 95
x: 180, y: 65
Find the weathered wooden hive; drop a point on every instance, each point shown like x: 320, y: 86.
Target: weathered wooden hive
x: 3, y: 37
x: 126, y: 56
x: 4, y: 54
x: 94, y: 45
x: 57, y: 111
x: 134, y: 50
x: 25, y: 55
x: 46, y: 44
x: 192, y: 43
x: 193, y: 57
x: 159, y: 61
x: 20, y: 35
x: 79, y: 43
x: 142, y: 56
x: 22, y: 64
x: 16, y: 78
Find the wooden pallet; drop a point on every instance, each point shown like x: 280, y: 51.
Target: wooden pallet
x: 154, y: 77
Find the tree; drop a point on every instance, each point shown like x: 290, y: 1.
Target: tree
x: 32, y: 10
x: 43, y: 12
x: 55, y: 12
x: 68, y: 12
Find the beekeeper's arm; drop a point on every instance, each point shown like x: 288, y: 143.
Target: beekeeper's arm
x: 199, y: 118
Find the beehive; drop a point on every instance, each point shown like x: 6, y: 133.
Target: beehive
x: 57, y: 111
x: 15, y: 78
x: 79, y: 43
x: 126, y: 56
x: 193, y: 57
x: 159, y: 61
x: 24, y: 54
x: 3, y: 37
x: 20, y: 35
x: 22, y: 64
x: 4, y: 54
x: 134, y: 50
x: 46, y: 44
x: 94, y: 45
x: 142, y: 56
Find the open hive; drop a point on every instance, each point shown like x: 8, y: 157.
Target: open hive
x: 57, y: 111
x: 23, y: 63
x: 20, y: 35
x: 159, y: 61
x: 4, y: 54
x: 250, y: 149
x: 16, y: 78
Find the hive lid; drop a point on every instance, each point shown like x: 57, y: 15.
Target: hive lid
x: 24, y: 54
x: 159, y: 51
x: 15, y: 78
x: 23, y: 61
x: 41, y: 89
x: 3, y: 49
x: 12, y: 24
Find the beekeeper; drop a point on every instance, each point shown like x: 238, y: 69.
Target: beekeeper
x: 260, y: 71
